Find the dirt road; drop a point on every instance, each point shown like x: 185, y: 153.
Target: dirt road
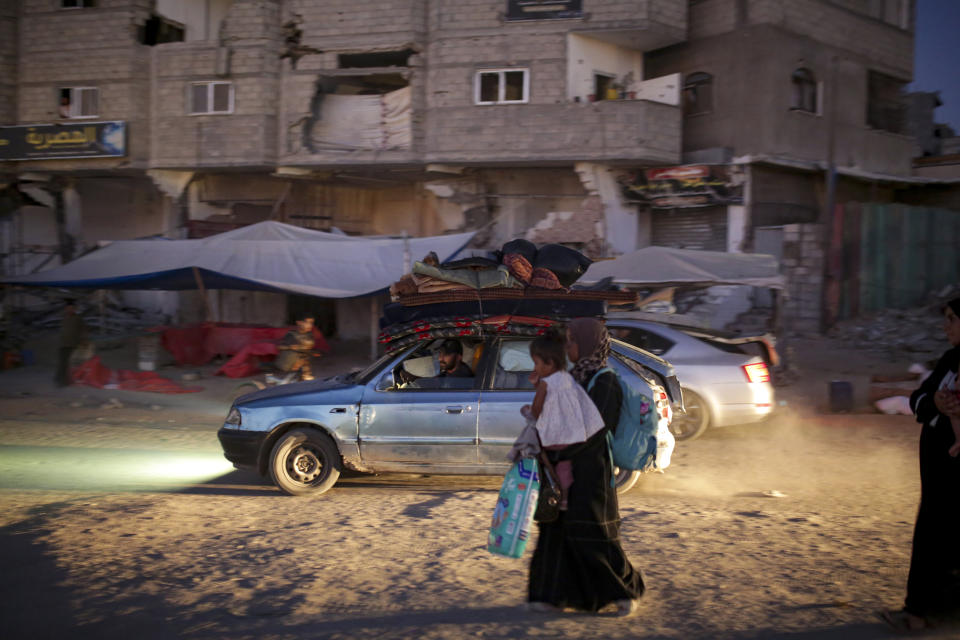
x: 123, y: 522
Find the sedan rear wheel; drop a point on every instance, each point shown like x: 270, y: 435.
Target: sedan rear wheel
x: 692, y: 424
x: 304, y: 461
x: 625, y: 479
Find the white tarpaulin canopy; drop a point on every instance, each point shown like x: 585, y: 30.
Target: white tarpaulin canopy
x: 267, y: 256
x: 666, y: 266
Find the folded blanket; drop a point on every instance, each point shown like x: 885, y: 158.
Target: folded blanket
x: 475, y: 279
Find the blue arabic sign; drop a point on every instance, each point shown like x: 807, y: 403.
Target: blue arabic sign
x: 66, y: 140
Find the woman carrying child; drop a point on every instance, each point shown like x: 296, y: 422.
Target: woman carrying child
x: 933, y: 584
x: 579, y: 562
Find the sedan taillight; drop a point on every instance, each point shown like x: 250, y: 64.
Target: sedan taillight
x: 757, y: 372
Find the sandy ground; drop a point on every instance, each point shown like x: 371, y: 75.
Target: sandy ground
x: 118, y: 519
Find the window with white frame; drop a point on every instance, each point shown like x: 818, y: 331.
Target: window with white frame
x: 79, y: 102
x: 77, y: 4
x: 211, y: 97
x: 501, y: 86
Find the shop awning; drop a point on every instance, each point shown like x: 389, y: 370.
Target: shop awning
x: 665, y: 266
x: 267, y: 256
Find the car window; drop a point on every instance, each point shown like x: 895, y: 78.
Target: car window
x: 646, y: 340
x: 723, y: 346
x: 514, y: 365
x: 420, y: 369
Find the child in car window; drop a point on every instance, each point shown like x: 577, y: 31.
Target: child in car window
x: 564, y: 412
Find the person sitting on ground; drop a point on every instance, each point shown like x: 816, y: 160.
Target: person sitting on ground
x: 295, y: 349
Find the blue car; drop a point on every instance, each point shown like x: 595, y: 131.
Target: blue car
x: 396, y: 415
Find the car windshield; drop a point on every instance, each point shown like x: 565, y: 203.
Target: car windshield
x: 364, y: 375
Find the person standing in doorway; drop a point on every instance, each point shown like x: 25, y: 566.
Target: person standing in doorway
x: 72, y: 333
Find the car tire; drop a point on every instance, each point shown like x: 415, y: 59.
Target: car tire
x: 625, y: 479
x: 692, y: 424
x: 304, y: 461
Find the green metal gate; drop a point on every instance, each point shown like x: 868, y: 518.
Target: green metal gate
x: 893, y: 255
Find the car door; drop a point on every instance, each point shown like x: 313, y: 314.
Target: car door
x: 433, y: 421
x: 506, y: 388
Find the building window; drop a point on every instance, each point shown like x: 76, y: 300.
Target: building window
x: 160, y: 30
x: 77, y: 4
x: 805, y: 93
x: 79, y: 102
x: 211, y: 97
x: 698, y: 94
x: 501, y: 86
x: 886, y: 107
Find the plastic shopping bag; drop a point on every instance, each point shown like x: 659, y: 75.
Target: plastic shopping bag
x: 512, y: 518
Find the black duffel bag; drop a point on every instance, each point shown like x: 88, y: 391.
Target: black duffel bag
x: 566, y: 263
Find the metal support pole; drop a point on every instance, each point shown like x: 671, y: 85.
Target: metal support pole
x: 203, y: 294
x: 827, y: 215
x: 374, y: 326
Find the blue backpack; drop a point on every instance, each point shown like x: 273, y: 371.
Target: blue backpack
x: 634, y: 445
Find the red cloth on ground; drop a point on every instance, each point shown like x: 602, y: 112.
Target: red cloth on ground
x: 93, y: 373
x: 200, y: 343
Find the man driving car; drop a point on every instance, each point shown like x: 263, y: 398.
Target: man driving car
x: 450, y: 356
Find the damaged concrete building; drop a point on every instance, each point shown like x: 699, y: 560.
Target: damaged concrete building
x: 513, y: 118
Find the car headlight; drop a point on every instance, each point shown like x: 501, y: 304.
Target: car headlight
x: 233, y: 417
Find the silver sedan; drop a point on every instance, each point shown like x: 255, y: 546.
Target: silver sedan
x: 723, y: 382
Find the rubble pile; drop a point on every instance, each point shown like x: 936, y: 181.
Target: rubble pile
x: 918, y: 330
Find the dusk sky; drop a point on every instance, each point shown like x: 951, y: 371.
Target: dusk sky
x: 936, y: 65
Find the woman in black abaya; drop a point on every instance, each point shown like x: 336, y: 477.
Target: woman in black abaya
x: 579, y: 562
x: 933, y: 584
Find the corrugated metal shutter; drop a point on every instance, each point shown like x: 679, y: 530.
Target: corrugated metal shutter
x: 704, y: 229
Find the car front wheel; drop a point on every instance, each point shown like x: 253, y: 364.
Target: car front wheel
x: 304, y: 461
x: 696, y: 419
x: 625, y: 479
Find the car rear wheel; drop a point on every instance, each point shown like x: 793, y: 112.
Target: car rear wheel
x: 304, y: 461
x: 625, y: 479
x: 692, y: 424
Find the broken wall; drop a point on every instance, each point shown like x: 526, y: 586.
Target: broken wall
x: 521, y: 199
x: 803, y: 263
x: 247, y: 56
x: 201, y: 19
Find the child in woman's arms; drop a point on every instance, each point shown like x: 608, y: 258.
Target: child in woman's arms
x: 564, y: 412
